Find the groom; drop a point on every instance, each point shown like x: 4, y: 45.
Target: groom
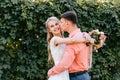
x: 76, y: 57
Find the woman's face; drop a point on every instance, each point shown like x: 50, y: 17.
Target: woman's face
x: 54, y: 27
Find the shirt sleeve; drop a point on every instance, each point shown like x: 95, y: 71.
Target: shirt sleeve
x: 66, y: 61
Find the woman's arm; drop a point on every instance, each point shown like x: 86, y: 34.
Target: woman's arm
x: 102, y: 38
x: 85, y: 38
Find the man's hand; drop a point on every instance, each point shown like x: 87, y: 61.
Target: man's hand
x: 49, y: 73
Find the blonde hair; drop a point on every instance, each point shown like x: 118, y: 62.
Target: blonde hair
x: 49, y: 37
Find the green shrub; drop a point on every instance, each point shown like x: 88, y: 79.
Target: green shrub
x: 23, y: 46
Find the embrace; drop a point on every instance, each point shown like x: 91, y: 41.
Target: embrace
x: 71, y: 56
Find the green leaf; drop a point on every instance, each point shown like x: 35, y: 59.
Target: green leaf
x: 2, y: 47
x: 14, y: 1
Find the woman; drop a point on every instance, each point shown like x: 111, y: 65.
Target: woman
x: 56, y: 45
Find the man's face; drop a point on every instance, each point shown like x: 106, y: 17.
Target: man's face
x: 63, y: 25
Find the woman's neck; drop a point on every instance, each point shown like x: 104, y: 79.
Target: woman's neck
x: 58, y: 35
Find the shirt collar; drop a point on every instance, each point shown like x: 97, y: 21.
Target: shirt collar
x: 74, y: 32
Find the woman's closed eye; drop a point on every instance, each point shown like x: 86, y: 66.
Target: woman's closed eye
x: 54, y: 24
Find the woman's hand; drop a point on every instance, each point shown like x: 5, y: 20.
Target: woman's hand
x: 99, y: 38
x: 94, y: 32
x: 88, y: 38
x: 102, y: 40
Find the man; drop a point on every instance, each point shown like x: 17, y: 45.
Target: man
x: 76, y: 57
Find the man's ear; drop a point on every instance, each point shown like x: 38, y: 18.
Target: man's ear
x: 67, y: 22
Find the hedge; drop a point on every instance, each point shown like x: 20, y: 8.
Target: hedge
x: 23, y: 46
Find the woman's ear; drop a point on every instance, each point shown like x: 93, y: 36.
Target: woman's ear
x: 50, y: 31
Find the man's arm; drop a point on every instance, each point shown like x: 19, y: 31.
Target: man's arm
x: 64, y: 64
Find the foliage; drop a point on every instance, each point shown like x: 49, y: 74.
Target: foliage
x: 23, y: 46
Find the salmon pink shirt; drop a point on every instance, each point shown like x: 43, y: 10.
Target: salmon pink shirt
x: 76, y: 57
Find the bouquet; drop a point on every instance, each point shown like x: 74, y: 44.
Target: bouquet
x: 96, y: 34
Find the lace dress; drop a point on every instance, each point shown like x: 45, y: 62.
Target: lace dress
x: 57, y: 53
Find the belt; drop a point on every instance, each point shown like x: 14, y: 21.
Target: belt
x: 77, y: 73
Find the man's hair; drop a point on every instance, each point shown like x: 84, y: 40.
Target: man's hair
x: 70, y: 15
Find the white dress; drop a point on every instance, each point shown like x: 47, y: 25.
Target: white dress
x: 57, y: 53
